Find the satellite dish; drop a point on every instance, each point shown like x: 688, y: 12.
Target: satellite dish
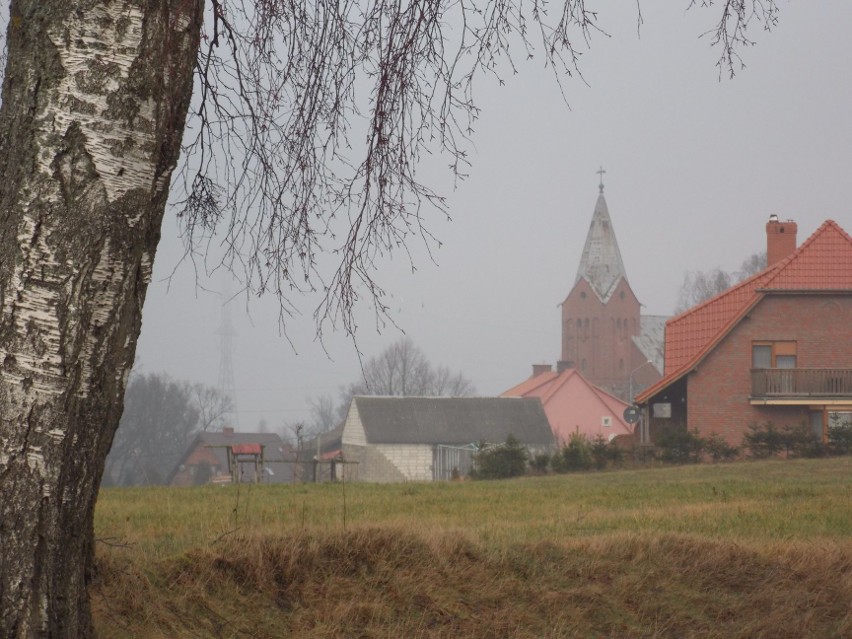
x: 632, y: 414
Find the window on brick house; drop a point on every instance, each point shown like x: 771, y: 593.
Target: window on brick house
x: 816, y: 424
x: 773, y: 355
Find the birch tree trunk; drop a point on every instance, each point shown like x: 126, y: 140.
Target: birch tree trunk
x: 95, y: 97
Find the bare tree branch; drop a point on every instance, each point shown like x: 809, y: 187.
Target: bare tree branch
x: 731, y: 32
x: 699, y: 286
x: 287, y: 88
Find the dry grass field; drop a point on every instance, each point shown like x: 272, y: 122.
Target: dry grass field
x: 754, y: 549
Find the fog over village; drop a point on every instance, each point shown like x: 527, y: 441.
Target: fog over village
x: 586, y: 372
x: 695, y: 164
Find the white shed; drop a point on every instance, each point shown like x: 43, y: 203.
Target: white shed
x: 428, y: 438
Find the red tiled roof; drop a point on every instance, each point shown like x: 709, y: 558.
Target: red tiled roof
x: 689, y: 333
x: 823, y: 262
x: 246, y: 449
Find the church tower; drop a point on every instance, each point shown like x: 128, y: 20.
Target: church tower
x: 601, y: 315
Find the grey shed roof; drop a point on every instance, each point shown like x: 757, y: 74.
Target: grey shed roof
x: 452, y: 420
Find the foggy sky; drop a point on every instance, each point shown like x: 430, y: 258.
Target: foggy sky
x: 694, y: 167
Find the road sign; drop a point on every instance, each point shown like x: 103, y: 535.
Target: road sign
x: 631, y: 414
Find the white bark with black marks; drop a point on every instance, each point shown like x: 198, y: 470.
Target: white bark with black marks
x: 94, y: 103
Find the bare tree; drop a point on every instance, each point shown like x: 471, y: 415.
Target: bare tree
x: 699, y: 286
x: 95, y: 99
x: 160, y: 417
x: 445, y: 383
x: 751, y: 265
x: 402, y: 369
x: 324, y: 415
x: 212, y: 406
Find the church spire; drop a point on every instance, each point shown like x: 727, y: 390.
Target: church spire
x: 601, y: 263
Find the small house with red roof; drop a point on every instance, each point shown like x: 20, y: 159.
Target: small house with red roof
x: 776, y: 347
x: 574, y: 405
x: 226, y: 456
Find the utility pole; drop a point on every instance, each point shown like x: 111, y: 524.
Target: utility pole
x: 226, y: 334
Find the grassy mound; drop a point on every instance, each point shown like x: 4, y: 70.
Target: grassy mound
x: 385, y: 582
x: 747, y: 550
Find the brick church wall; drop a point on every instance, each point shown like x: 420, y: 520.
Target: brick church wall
x: 597, y: 336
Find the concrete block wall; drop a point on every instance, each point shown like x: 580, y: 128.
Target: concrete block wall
x: 414, y: 461
x: 372, y: 466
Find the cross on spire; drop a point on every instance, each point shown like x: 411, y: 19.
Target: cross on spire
x: 601, y: 172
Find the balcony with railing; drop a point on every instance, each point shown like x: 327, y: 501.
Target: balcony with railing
x: 804, y: 383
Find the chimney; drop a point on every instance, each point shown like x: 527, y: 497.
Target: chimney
x: 228, y: 431
x: 564, y: 365
x: 780, y: 239
x: 541, y: 369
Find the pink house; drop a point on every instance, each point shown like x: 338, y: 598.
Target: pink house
x: 573, y: 404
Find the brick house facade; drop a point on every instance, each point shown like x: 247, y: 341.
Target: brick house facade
x: 776, y: 347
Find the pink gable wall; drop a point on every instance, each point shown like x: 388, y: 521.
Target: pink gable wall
x: 573, y: 405
x: 576, y: 407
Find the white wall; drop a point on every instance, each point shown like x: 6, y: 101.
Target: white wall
x: 353, y: 429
